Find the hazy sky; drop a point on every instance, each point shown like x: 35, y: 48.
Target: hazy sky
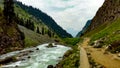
x: 69, y: 14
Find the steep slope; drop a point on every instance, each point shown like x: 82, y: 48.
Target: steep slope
x: 105, y: 26
x: 108, y: 12
x: 32, y: 38
x: 84, y: 28
x: 36, y: 32
x: 45, y: 19
x: 11, y: 38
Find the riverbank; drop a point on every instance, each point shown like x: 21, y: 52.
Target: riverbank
x: 70, y: 59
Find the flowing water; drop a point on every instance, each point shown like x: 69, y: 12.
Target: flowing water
x: 38, y: 58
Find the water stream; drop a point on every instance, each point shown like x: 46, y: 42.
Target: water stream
x: 38, y: 58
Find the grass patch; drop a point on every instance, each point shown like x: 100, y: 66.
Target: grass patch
x: 29, y: 42
x: 71, y: 41
x: 111, y: 32
x: 70, y: 59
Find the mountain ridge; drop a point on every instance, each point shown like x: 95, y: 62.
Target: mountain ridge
x: 84, y: 28
x: 105, y: 26
x: 109, y: 11
x: 45, y: 18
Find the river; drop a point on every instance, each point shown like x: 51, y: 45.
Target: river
x: 39, y: 57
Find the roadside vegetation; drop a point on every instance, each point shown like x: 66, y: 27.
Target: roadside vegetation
x: 71, y: 57
x: 71, y: 41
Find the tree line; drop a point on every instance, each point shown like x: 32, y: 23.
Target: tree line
x: 10, y: 15
x: 30, y: 25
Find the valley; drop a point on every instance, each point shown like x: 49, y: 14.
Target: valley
x: 30, y: 38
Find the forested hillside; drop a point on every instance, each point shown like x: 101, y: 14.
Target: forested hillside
x: 39, y: 15
x: 11, y: 38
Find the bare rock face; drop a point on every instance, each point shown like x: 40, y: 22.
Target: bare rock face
x: 10, y: 36
x: 108, y: 12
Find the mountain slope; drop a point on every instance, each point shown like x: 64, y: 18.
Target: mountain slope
x: 32, y: 38
x: 108, y: 12
x: 45, y: 19
x: 40, y: 33
x: 84, y: 28
x: 11, y: 38
x: 105, y: 26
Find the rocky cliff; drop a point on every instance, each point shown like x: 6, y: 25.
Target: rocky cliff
x: 108, y: 12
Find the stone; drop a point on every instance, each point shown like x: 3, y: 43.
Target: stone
x: 50, y: 66
x: 50, y: 45
x: 37, y: 48
x: 29, y: 57
x: 119, y: 55
x: 98, y: 43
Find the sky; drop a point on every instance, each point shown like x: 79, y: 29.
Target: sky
x: 71, y: 15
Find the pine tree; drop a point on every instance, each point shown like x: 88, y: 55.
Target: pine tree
x: 9, y: 10
x: 43, y: 31
x: 38, y: 31
x: 49, y: 33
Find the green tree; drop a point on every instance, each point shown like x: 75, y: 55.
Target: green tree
x: 49, y: 33
x: 38, y: 31
x: 9, y: 10
x: 30, y: 25
x: 43, y: 30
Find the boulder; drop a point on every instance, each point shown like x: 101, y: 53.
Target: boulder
x: 50, y: 45
x: 50, y: 66
x: 98, y: 44
x: 118, y: 55
x: 37, y: 48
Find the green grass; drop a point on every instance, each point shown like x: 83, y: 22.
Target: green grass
x: 29, y: 42
x: 99, y: 28
x: 71, y: 59
x: 31, y: 38
x: 108, y: 32
x: 71, y: 41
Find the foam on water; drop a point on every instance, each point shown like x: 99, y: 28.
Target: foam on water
x: 41, y: 58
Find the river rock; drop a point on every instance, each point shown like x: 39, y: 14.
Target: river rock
x: 50, y: 66
x: 37, y: 48
x: 31, y: 51
x: 50, y: 45
x: 28, y: 57
x: 119, y: 55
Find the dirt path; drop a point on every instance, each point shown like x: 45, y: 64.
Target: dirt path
x: 107, y: 60
x: 84, y: 63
